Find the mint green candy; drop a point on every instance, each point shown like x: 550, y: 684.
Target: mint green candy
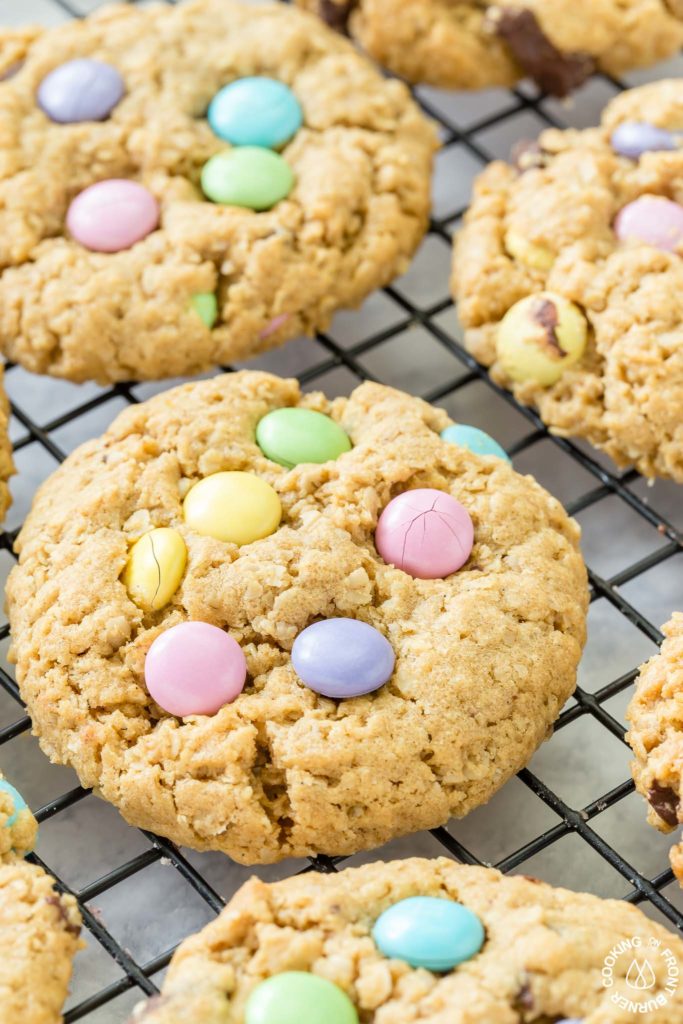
x: 247, y: 176
x: 17, y: 799
x: 205, y: 306
x: 296, y: 997
x: 291, y: 436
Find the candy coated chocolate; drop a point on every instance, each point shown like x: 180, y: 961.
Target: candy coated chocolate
x: 425, y: 532
x: 112, y: 215
x: 430, y: 932
x: 255, y: 111
x: 194, y: 668
x: 80, y: 90
x: 342, y: 658
x: 291, y: 435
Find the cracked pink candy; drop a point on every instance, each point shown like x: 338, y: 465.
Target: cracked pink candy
x: 425, y: 532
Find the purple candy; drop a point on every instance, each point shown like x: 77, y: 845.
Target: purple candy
x: 80, y: 90
x: 342, y: 658
x: 652, y: 220
x: 633, y: 138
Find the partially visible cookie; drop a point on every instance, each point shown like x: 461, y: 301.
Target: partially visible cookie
x: 39, y: 927
x: 146, y: 233
x: 568, y: 275
x: 656, y: 736
x: 472, y: 44
x: 475, y: 947
x: 6, y: 461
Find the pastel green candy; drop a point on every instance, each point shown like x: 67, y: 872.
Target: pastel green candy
x: 205, y: 306
x: 17, y: 799
x: 247, y: 176
x: 296, y: 997
x: 540, y: 337
x: 291, y: 436
x: 475, y: 440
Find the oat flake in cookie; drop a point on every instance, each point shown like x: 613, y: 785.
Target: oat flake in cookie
x: 474, y: 44
x: 156, y: 221
x: 39, y: 927
x: 177, y: 520
x: 656, y: 736
x: 568, y: 275
x: 541, y: 958
x: 6, y: 461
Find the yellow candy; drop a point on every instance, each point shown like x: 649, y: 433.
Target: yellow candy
x: 155, y: 567
x: 535, y: 256
x: 234, y: 507
x: 540, y: 336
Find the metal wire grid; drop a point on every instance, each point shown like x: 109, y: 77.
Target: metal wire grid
x: 438, y: 322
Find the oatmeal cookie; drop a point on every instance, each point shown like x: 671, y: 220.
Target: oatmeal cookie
x: 325, y: 937
x: 115, y: 265
x: 656, y: 735
x: 474, y: 44
x: 568, y: 275
x: 376, y: 702
x: 39, y: 927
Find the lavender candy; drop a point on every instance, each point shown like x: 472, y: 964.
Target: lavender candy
x: 342, y: 658
x: 633, y: 138
x: 80, y: 90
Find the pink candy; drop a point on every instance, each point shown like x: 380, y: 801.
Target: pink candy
x: 112, y: 215
x: 194, y: 669
x: 425, y: 532
x: 652, y: 220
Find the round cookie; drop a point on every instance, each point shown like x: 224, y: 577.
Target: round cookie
x: 542, y: 957
x: 582, y: 324
x: 484, y: 659
x: 656, y: 736
x: 469, y: 44
x: 213, y: 282
x: 39, y: 927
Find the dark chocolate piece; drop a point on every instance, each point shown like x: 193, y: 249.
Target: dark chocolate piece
x: 545, y: 313
x: 555, y: 72
x: 72, y: 929
x: 525, y: 997
x: 664, y: 801
x: 336, y: 13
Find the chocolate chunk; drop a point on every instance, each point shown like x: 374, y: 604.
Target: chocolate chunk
x: 525, y: 997
x: 545, y: 313
x: 555, y: 72
x: 72, y: 929
x: 526, y: 154
x: 664, y: 801
x: 336, y: 13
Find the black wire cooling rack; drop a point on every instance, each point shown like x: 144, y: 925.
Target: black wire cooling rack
x: 402, y: 331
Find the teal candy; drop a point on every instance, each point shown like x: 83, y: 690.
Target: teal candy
x: 474, y: 440
x: 17, y: 799
x: 426, y: 931
x: 205, y: 306
x: 291, y: 436
x: 255, y: 112
x: 296, y: 997
x: 247, y: 176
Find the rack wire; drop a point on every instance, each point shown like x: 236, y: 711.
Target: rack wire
x: 633, y: 545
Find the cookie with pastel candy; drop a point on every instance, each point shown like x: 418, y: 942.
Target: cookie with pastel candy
x: 303, y: 608
x: 568, y: 275
x: 191, y: 185
x: 39, y: 926
x: 418, y: 940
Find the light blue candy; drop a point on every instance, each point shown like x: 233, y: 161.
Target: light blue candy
x: 474, y: 440
x: 426, y: 931
x: 17, y: 799
x: 255, y: 112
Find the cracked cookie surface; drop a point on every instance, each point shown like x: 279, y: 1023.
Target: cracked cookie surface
x: 656, y: 736
x: 39, y: 928
x: 485, y: 658
x: 474, y: 44
x: 541, y: 961
x: 559, y: 204
x: 357, y: 212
